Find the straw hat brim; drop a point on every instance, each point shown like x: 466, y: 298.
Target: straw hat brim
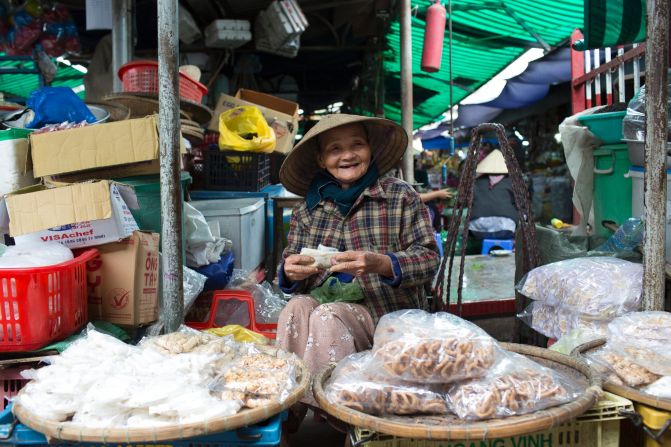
x: 494, y: 163
x: 388, y: 141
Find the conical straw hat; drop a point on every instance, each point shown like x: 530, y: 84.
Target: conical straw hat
x: 494, y: 163
x: 388, y: 141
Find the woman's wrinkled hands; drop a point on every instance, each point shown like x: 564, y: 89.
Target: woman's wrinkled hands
x: 360, y: 263
x: 299, y: 267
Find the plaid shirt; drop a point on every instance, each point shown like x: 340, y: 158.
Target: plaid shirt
x: 387, y: 218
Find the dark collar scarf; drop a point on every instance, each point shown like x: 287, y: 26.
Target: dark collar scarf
x: 324, y: 186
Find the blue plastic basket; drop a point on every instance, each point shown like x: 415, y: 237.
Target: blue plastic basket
x: 263, y: 434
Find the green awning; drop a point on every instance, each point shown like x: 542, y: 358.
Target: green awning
x: 613, y: 22
x: 20, y: 85
x: 487, y: 37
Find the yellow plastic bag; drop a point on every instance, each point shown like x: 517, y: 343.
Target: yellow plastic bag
x: 239, y: 333
x: 245, y: 129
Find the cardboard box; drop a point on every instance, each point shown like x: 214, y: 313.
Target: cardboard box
x: 94, y: 147
x: 77, y: 215
x: 123, y: 281
x: 282, y: 115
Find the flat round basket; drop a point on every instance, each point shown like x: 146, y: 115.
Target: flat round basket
x: 195, y: 111
x: 68, y: 431
x: 450, y: 427
x: 622, y: 390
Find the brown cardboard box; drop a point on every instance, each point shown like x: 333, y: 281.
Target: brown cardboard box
x: 282, y: 115
x: 123, y: 281
x: 76, y: 215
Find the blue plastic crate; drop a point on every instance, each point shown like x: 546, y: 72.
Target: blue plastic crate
x: 263, y: 434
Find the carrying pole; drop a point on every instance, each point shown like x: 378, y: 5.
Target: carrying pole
x: 656, y: 63
x: 122, y: 42
x: 406, y: 88
x: 172, y: 299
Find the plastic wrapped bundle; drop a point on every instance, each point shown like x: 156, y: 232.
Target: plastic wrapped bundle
x: 618, y: 369
x: 556, y: 322
x: 644, y: 338
x: 354, y: 386
x: 516, y: 385
x: 601, y: 287
x: 416, y: 346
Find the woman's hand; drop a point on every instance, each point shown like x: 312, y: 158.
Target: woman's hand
x: 360, y: 263
x: 298, y: 267
x: 441, y: 194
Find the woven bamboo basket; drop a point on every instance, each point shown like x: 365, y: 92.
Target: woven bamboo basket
x: 68, y: 431
x: 137, y: 101
x: 622, y: 390
x: 450, y: 427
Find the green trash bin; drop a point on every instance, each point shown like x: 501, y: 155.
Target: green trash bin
x: 148, y: 192
x: 612, y: 189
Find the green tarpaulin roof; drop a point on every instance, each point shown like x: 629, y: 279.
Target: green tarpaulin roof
x: 20, y: 85
x: 487, y: 37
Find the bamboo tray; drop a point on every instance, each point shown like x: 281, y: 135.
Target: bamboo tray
x: 450, y: 427
x: 68, y: 431
x: 623, y: 390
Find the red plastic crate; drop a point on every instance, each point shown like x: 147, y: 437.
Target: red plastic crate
x: 142, y: 77
x: 12, y: 382
x: 268, y: 330
x: 43, y: 304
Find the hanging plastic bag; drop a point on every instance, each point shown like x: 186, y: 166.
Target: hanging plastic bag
x: 245, y: 129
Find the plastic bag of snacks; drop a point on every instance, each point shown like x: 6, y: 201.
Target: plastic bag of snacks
x: 618, y: 369
x: 644, y: 338
x: 354, y: 386
x: 601, y: 287
x: 516, y: 385
x: 416, y: 346
x: 556, y: 322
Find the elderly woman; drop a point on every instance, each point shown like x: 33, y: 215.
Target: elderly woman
x: 386, y: 248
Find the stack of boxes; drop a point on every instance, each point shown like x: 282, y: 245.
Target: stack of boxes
x: 79, y: 205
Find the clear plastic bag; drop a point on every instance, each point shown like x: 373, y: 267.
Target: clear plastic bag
x: 644, y: 338
x: 416, y: 346
x: 34, y: 254
x: 556, y: 322
x: 354, y: 386
x: 268, y: 303
x: 602, y: 287
x: 516, y: 385
x: 633, y: 124
x: 256, y: 379
x: 660, y: 388
x: 618, y: 369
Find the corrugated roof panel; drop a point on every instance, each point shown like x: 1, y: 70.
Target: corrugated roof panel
x: 20, y: 85
x: 486, y: 39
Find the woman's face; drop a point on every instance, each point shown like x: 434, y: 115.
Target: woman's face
x: 345, y: 153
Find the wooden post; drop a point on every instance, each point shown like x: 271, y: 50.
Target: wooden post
x: 656, y: 63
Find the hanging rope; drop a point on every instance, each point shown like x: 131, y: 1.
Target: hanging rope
x: 530, y: 256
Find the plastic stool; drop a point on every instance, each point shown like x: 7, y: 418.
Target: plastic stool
x: 505, y: 244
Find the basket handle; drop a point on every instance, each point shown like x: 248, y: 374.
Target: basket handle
x: 611, y: 169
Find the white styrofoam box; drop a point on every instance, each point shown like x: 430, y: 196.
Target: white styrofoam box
x: 292, y: 6
x: 268, y: 42
x: 243, y: 222
x: 188, y: 28
x: 637, y: 209
x: 98, y: 14
x: 16, y: 173
x: 227, y: 33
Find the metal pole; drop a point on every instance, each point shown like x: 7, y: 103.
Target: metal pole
x: 656, y: 63
x: 406, y: 88
x: 122, y: 47
x: 172, y: 301
x: 449, y: 13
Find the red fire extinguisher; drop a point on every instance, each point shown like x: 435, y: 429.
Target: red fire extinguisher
x: 433, y: 37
